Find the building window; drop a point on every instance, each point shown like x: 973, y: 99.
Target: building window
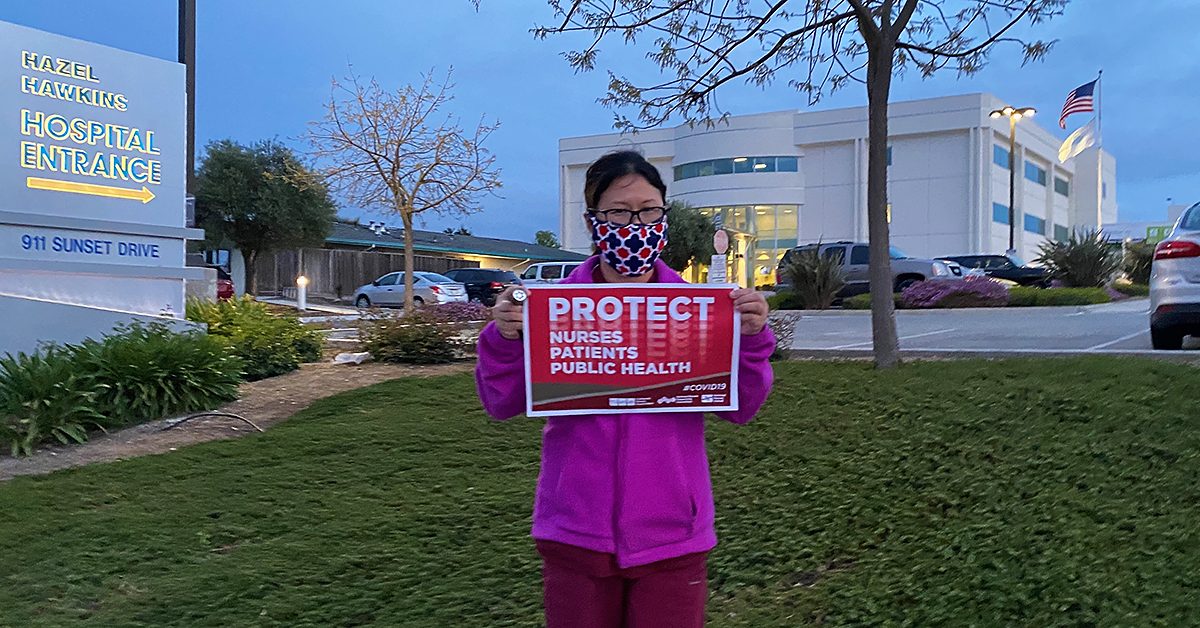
x: 1061, y: 233
x: 764, y: 164
x: 1034, y: 173
x: 736, y: 165
x: 1000, y: 156
x: 1000, y: 213
x: 1062, y: 187
x: 1033, y: 224
x: 889, y: 155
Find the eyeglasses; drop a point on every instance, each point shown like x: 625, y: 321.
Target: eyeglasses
x: 645, y: 216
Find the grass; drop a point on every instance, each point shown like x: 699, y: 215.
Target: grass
x: 1013, y: 493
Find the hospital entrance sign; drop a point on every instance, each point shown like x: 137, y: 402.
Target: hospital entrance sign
x: 92, y: 183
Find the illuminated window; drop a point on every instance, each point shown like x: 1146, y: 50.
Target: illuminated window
x: 736, y: 165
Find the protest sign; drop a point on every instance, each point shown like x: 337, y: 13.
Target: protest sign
x: 612, y: 349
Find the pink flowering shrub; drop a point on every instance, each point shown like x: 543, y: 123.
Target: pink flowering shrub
x: 1115, y: 294
x: 457, y: 312
x: 969, y: 292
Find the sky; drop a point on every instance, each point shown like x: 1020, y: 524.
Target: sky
x: 264, y: 68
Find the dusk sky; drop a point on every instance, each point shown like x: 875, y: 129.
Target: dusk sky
x: 264, y: 68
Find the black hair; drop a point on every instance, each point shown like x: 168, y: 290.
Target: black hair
x: 613, y: 166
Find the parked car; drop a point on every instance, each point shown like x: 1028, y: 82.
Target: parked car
x: 483, y: 284
x: 856, y: 256
x: 1003, y: 267
x: 225, y: 289
x: 388, y: 290
x: 1175, y: 284
x: 548, y: 272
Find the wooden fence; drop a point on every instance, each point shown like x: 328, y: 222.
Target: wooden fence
x: 335, y: 273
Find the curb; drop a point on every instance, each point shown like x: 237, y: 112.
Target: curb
x: 1056, y: 309
x: 1190, y: 357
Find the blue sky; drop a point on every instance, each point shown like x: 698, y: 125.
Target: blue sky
x: 264, y: 67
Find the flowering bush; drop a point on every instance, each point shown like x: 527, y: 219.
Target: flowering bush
x: 1114, y: 294
x: 970, y: 292
x: 457, y: 312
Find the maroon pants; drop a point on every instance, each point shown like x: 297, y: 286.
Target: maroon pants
x: 586, y: 589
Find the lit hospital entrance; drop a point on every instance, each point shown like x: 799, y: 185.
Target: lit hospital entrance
x: 759, y: 235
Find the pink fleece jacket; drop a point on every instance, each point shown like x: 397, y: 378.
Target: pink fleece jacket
x: 633, y: 485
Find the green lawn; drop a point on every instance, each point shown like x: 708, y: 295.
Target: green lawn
x: 973, y: 494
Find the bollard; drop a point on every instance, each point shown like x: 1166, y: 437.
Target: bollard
x: 302, y: 293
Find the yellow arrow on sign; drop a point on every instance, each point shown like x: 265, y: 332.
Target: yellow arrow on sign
x: 144, y: 195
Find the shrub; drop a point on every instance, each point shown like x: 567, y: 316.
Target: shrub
x: 1085, y: 260
x: 784, y: 328
x: 141, y: 372
x: 1132, y: 289
x: 458, y: 312
x: 43, y: 395
x: 970, y: 292
x: 269, y: 345
x: 148, y: 371
x: 784, y: 301
x: 863, y: 302
x: 816, y: 279
x: 1139, y: 256
x: 413, y: 339
x: 1025, y: 296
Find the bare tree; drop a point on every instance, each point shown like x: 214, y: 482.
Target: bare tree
x: 820, y: 46
x: 396, y: 152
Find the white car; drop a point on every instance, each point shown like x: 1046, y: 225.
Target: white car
x: 388, y: 290
x: 1175, y: 284
x: 548, y: 272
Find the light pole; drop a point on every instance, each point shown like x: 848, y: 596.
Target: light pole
x: 1013, y: 115
x: 187, y: 56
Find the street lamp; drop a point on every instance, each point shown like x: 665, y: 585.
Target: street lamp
x: 1013, y: 115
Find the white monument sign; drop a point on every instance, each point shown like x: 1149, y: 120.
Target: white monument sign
x: 92, y: 188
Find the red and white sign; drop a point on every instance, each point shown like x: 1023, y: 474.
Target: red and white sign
x: 615, y: 349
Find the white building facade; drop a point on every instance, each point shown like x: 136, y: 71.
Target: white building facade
x: 792, y: 177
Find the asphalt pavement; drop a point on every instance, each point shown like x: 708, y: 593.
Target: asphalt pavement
x: 1112, y: 328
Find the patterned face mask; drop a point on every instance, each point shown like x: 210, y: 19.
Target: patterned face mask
x: 630, y: 249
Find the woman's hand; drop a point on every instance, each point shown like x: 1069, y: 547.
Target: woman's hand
x: 510, y: 317
x: 753, y: 308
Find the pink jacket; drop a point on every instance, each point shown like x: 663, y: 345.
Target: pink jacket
x: 634, y: 485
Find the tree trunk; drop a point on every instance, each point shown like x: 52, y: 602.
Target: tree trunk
x: 883, y: 308
x: 406, y: 217
x: 250, y: 264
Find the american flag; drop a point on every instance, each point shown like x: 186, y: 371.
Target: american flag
x: 1078, y: 101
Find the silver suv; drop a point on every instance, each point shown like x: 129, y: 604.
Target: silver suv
x: 856, y: 256
x: 1175, y: 284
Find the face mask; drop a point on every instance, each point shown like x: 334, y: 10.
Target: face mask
x: 630, y: 249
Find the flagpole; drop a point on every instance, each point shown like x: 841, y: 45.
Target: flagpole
x: 1099, y: 157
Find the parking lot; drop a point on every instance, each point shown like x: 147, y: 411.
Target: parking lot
x: 1117, y: 328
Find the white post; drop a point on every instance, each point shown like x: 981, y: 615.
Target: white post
x: 302, y: 293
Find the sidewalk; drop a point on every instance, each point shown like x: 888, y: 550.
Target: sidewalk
x: 319, y: 308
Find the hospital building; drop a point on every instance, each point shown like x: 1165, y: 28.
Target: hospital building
x: 794, y: 177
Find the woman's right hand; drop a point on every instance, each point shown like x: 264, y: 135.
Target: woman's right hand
x: 509, y: 316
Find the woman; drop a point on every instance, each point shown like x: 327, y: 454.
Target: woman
x: 623, y: 516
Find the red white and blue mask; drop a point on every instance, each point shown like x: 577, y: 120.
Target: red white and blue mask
x: 630, y: 249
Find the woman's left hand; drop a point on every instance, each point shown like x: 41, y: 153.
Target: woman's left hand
x: 753, y: 308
